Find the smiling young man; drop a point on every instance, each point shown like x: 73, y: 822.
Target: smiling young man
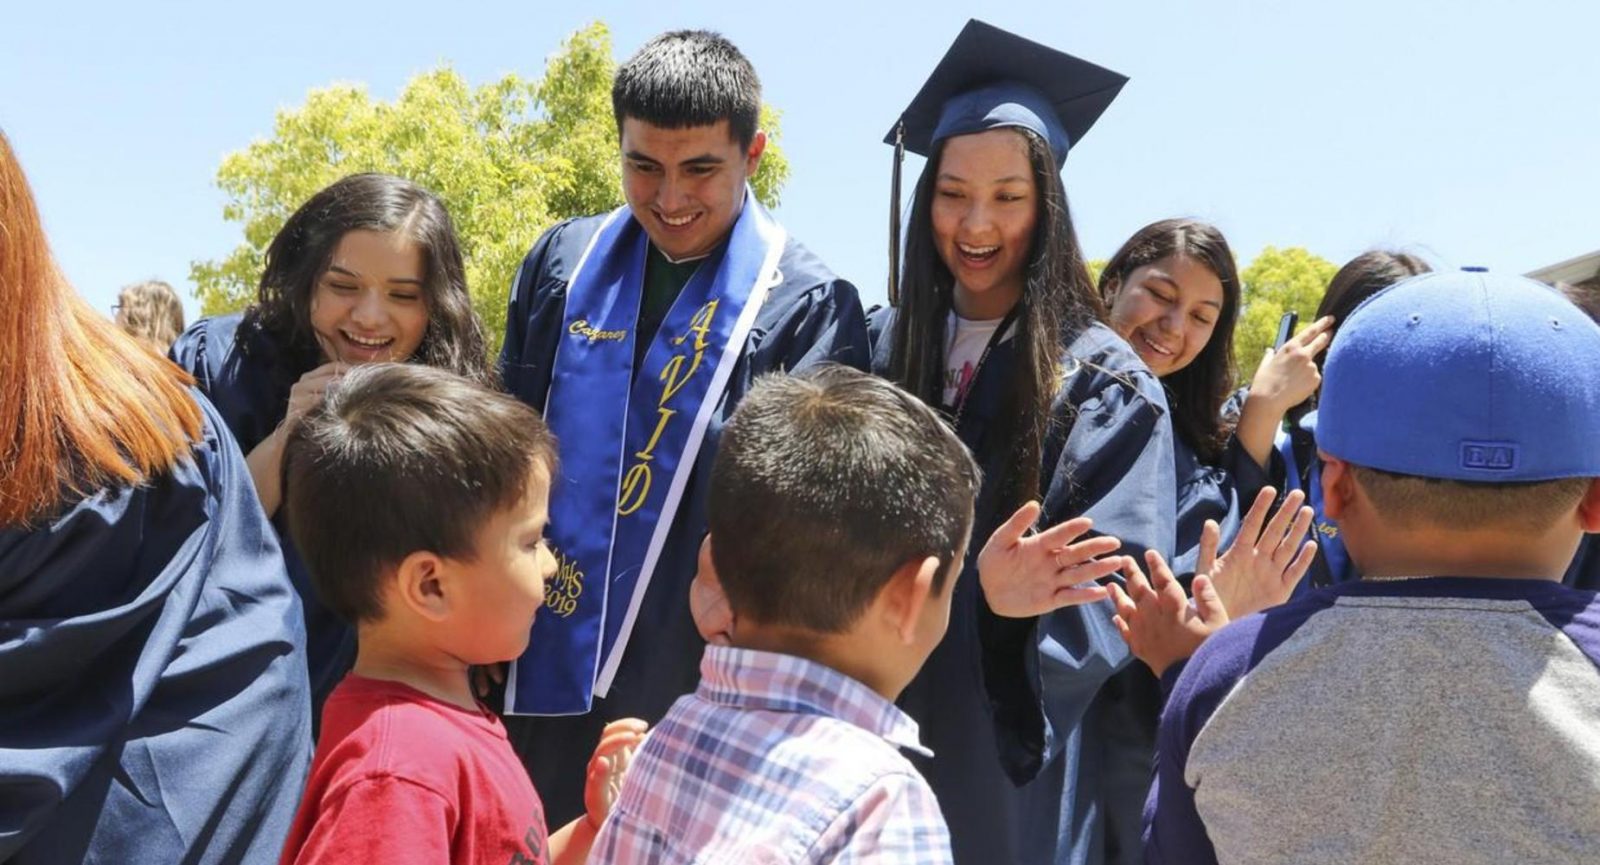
x: 637, y: 333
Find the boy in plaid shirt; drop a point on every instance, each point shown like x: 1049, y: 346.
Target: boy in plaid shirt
x: 840, y: 511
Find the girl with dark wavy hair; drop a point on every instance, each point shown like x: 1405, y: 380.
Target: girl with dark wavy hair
x: 368, y: 269
x: 1173, y: 292
x: 151, y: 716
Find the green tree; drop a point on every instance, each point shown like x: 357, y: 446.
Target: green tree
x: 509, y: 159
x: 1277, y: 281
x: 1097, y: 266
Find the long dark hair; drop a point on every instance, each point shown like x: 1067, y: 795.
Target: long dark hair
x: 1362, y: 277
x: 301, y: 252
x: 1197, y: 391
x: 1058, y: 301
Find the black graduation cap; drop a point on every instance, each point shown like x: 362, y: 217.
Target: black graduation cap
x: 991, y: 78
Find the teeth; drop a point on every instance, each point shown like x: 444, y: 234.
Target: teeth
x: 1155, y: 346
x: 679, y: 222
x: 977, y: 250
x: 378, y: 342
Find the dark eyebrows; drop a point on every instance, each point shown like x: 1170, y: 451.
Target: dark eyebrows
x: 408, y: 280
x: 1158, y: 276
x: 702, y: 159
x: 1015, y: 178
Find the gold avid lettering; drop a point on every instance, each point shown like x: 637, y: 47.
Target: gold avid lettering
x: 635, y: 489
x: 636, y: 481
x: 671, y: 379
x: 699, y: 325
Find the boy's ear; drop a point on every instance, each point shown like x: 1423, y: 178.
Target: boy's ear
x: 752, y: 157
x: 1589, y: 507
x: 906, y: 594
x: 420, y: 584
x: 1338, y: 487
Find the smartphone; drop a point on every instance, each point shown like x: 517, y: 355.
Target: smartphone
x: 1286, y: 328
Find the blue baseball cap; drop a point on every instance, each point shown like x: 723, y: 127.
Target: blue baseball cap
x: 1465, y: 376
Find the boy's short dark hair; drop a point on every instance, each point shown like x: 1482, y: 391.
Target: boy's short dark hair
x: 689, y: 78
x: 1409, y: 501
x: 824, y: 484
x: 399, y: 458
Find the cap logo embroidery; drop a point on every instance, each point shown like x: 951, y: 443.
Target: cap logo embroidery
x: 1489, y: 456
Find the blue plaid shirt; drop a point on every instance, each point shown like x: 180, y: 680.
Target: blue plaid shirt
x: 774, y: 759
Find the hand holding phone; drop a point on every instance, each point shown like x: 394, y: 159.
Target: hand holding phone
x: 1286, y: 327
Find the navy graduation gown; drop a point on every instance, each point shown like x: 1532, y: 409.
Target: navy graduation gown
x: 1584, y: 572
x: 1127, y: 709
x: 1000, y: 701
x: 155, y: 682
x: 811, y: 317
x: 1222, y: 491
x: 239, y: 373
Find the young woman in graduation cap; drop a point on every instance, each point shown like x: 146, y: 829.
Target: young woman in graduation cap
x: 150, y: 715
x: 368, y: 269
x: 996, y: 320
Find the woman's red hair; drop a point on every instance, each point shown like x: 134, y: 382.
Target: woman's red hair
x: 88, y: 406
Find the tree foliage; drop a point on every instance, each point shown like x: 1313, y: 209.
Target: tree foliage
x: 1277, y: 281
x: 509, y: 159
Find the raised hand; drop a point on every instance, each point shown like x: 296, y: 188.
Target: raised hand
x: 306, y: 393
x: 1156, y: 619
x: 1285, y: 378
x: 608, y: 767
x: 1261, y: 567
x: 1029, y: 575
x: 1289, y: 375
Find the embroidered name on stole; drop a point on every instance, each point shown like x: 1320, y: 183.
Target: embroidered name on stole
x: 628, y: 443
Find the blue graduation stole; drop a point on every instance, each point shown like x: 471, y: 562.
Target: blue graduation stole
x: 628, y: 443
x: 1324, y: 531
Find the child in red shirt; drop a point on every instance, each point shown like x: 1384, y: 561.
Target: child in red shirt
x: 418, y: 500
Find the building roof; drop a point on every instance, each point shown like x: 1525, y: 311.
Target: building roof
x: 1574, y: 270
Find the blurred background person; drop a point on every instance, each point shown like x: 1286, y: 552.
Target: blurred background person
x: 151, y: 312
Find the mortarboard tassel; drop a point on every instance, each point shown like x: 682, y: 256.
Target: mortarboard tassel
x: 894, y: 213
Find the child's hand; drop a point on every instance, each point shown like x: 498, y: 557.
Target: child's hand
x: 306, y: 393
x: 1261, y: 568
x: 609, y: 765
x: 1289, y: 375
x: 713, y: 618
x: 1029, y: 575
x: 1157, y: 622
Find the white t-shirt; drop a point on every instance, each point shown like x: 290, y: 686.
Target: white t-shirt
x: 964, y: 343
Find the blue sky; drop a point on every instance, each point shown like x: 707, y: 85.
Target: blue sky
x: 1467, y: 131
